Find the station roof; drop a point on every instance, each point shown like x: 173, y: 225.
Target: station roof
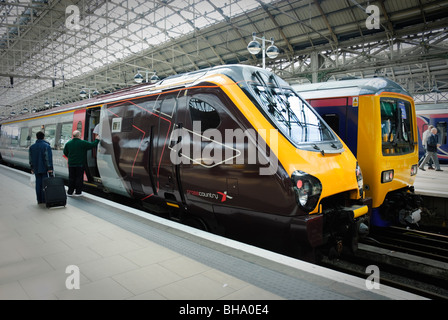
x: 51, y: 49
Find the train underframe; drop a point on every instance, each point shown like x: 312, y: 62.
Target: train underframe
x: 334, y: 231
x: 401, y: 207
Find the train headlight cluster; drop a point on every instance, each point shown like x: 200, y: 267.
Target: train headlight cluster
x: 387, y: 176
x: 360, y: 179
x: 307, y: 189
x: 414, y: 170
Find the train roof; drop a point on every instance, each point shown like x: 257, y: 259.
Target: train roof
x: 236, y: 72
x: 432, y: 108
x: 349, y: 88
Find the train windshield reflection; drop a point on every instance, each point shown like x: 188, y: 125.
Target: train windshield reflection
x: 396, y: 126
x: 290, y: 114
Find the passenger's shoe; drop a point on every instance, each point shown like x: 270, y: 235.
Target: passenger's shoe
x: 430, y: 168
x: 439, y: 170
x: 422, y: 169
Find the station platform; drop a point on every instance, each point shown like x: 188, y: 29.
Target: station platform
x: 432, y: 183
x: 120, y: 253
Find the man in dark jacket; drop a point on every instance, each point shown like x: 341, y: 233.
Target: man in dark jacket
x: 76, y: 152
x: 431, y: 149
x: 41, y: 163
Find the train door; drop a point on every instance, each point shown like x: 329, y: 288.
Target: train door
x: 109, y: 152
x: 92, y: 121
x: 164, y: 170
x: 208, y: 168
x: 84, y: 121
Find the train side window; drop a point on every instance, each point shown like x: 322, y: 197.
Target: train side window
x: 442, y: 131
x: 25, y: 138
x: 205, y: 113
x: 50, y: 134
x: 128, y: 121
x: 168, y: 106
x: 34, y: 130
x: 66, y: 134
x: 13, y: 134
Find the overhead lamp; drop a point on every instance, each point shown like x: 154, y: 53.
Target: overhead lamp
x: 47, y: 104
x: 154, y: 77
x: 254, y: 47
x: 138, y: 77
x: 272, y: 51
x: 83, y: 93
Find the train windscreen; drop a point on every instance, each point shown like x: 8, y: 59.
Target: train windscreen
x: 293, y: 117
x: 396, y: 126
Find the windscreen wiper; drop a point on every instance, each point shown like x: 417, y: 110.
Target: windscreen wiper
x: 285, y: 101
x: 272, y: 105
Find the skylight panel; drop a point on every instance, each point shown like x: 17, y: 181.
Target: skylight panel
x: 249, y: 5
x: 150, y: 31
x: 201, y: 22
x: 157, y: 39
x: 163, y: 12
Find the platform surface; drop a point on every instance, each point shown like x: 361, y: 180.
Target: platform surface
x: 432, y: 182
x: 123, y: 253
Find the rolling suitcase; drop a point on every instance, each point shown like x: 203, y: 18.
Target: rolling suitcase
x: 54, y: 191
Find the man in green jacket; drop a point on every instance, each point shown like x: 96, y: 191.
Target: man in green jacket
x: 76, y: 152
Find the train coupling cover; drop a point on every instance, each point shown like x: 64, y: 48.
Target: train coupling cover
x: 359, y: 215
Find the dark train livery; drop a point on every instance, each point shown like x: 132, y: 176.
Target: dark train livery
x: 437, y: 115
x: 376, y: 118
x: 231, y: 149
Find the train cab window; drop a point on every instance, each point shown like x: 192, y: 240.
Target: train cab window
x: 66, y: 134
x: 442, y: 131
x: 396, y: 126
x: 205, y: 113
x: 25, y: 138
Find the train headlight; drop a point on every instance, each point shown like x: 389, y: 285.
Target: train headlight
x: 387, y: 176
x: 414, y: 170
x: 307, y: 189
x: 360, y: 179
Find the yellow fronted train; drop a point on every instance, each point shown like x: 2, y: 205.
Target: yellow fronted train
x: 377, y: 120
x: 230, y: 149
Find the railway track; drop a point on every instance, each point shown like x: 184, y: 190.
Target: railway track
x: 412, y: 260
x: 417, y: 242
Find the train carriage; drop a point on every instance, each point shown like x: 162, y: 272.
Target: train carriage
x: 231, y: 149
x: 376, y: 118
x: 436, y: 115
